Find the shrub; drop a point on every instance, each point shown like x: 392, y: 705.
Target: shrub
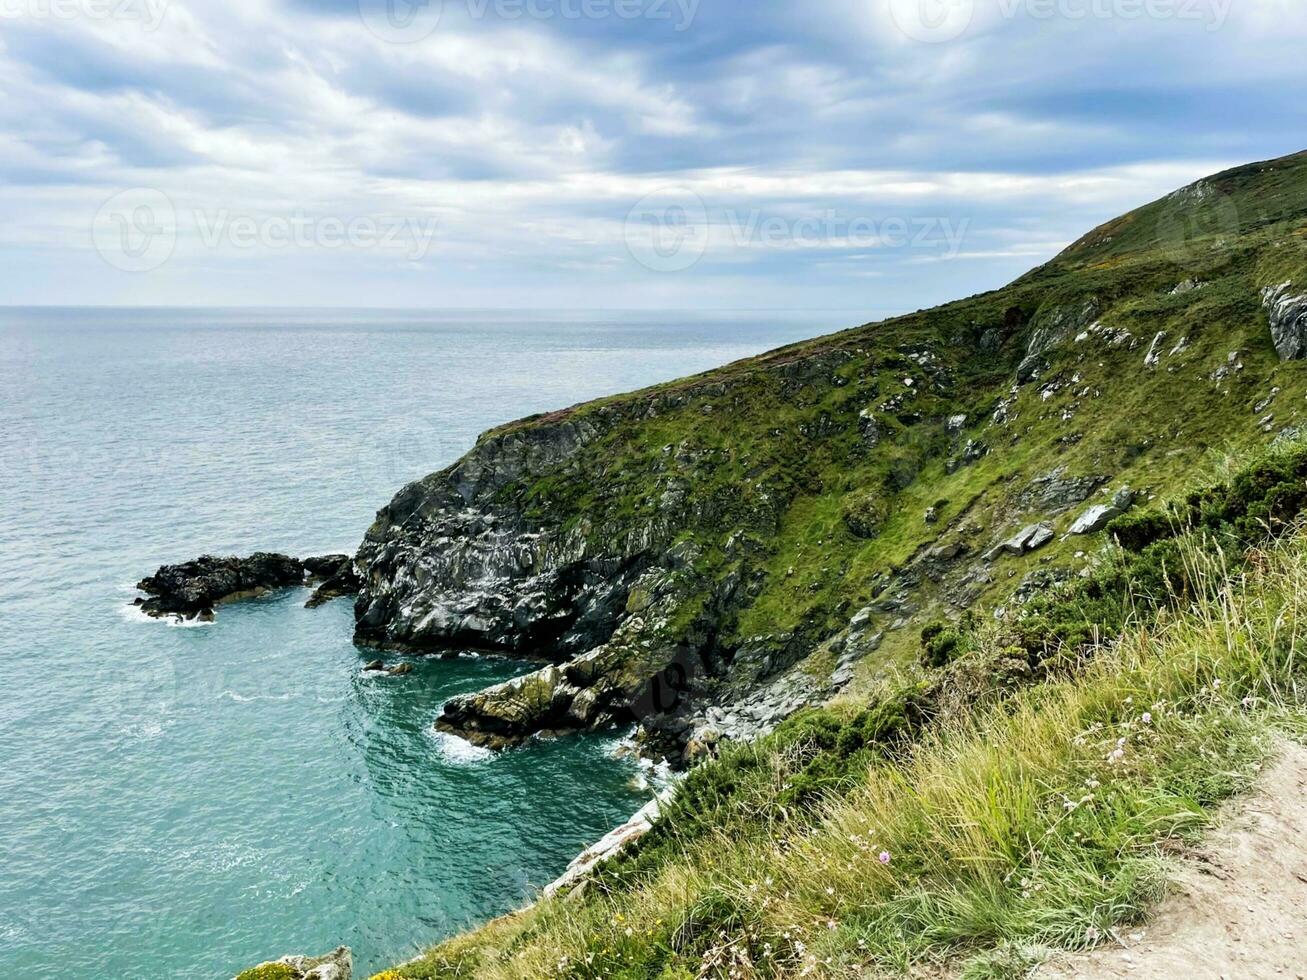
x: 941, y: 643
x: 864, y: 513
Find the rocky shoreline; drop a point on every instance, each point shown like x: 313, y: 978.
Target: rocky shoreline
x: 191, y: 590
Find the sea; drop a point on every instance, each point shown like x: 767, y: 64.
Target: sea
x: 185, y: 801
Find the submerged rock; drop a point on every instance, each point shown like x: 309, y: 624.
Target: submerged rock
x: 337, y: 965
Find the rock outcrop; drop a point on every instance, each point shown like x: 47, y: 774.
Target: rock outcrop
x: 337, y: 965
x: 1288, y: 315
x: 191, y: 589
x: 609, y: 847
x: 1032, y: 537
x: 621, y: 613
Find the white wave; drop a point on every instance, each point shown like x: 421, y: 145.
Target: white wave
x: 246, y: 699
x: 134, y: 614
x: 459, y: 750
x: 146, y: 731
x: 657, y: 776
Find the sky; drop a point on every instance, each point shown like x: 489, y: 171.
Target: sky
x: 868, y: 155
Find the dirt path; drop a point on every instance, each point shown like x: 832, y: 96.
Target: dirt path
x: 1239, y: 908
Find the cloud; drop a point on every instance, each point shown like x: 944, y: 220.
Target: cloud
x: 526, y: 139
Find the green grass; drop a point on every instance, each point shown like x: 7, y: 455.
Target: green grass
x: 270, y: 971
x: 959, y: 756
x: 1013, y: 819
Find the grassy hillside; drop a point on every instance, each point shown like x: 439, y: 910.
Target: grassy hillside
x: 856, y: 485
x: 1019, y: 797
x: 1031, y: 730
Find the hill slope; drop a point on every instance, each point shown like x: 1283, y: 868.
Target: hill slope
x: 709, y: 555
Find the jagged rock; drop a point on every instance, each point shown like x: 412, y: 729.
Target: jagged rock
x: 611, y: 845
x: 195, y: 586
x: 1052, y: 327
x: 1288, y: 316
x: 337, y: 965
x: 400, y: 670
x: 1095, y: 519
x: 1154, y: 356
x: 338, y: 578
x: 1054, y: 492
x: 861, y: 618
x: 1265, y: 403
x: 375, y: 666
x: 946, y: 552
x: 972, y: 452
x: 507, y: 713
x: 869, y: 427
x: 1028, y: 539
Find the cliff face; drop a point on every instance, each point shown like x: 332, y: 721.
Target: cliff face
x: 707, y: 555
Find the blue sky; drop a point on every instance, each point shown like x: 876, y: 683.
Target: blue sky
x: 868, y: 155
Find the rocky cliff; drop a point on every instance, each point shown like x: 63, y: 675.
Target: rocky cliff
x: 705, y: 556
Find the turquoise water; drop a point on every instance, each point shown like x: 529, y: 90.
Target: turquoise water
x: 187, y: 801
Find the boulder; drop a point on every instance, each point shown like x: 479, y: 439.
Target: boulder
x: 1095, y: 519
x: 508, y: 713
x: 1288, y: 315
x: 1028, y: 539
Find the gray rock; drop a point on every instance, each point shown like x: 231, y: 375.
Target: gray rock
x: 1041, y: 536
x: 1288, y: 312
x: 1095, y: 519
x: 861, y: 618
x: 869, y: 427
x: 337, y: 965
x: 1288, y: 317
x: 1055, y: 491
x: 1028, y: 539
x: 1265, y: 403
x: 1051, y: 327
x: 1154, y: 355
x: 1188, y: 286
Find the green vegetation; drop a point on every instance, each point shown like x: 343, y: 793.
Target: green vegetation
x: 808, y: 472
x: 960, y: 816
x: 985, y: 788
x: 270, y: 971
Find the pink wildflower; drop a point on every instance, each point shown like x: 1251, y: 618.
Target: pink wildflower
x: 884, y: 857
